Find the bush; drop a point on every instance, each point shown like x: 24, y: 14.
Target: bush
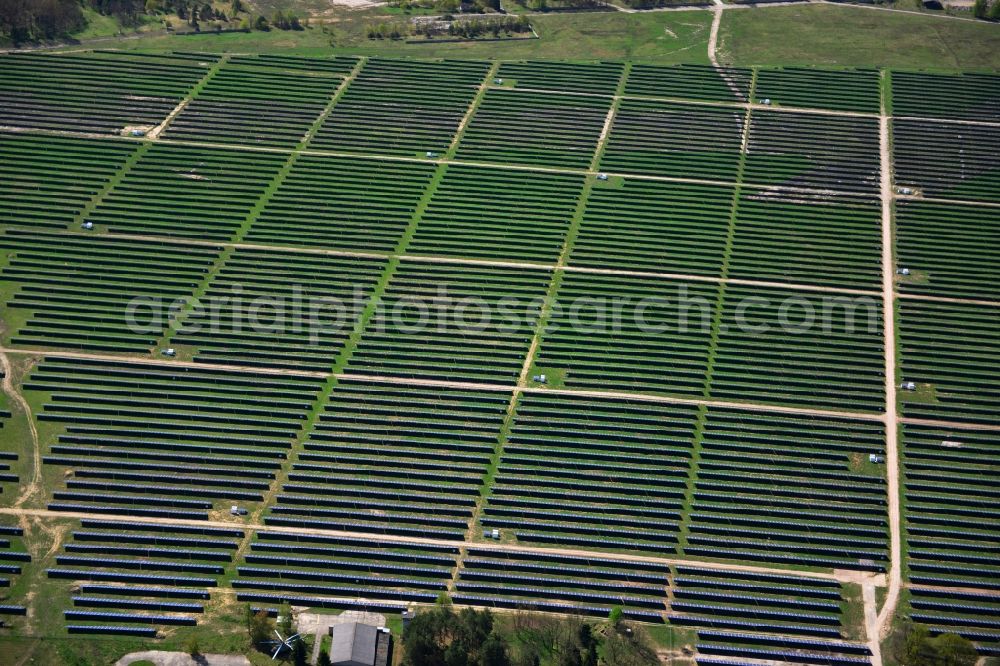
x: 473, y: 28
x: 386, y: 31
x: 285, y: 618
x: 259, y: 626
x: 299, y: 654
x: 913, y: 646
x: 285, y: 21
x: 39, y: 19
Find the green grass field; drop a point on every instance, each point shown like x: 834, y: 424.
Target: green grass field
x: 656, y: 38
x: 826, y: 35
x: 850, y: 36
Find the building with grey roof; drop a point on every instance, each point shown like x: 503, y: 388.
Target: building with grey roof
x: 356, y: 644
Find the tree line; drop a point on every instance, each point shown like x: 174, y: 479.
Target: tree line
x: 31, y: 20
x: 449, y: 6
x: 494, y: 27
x: 650, y: 4
x: 982, y: 9
x: 556, y: 5
x: 465, y: 28
x: 34, y: 20
x: 193, y: 13
x: 442, y: 637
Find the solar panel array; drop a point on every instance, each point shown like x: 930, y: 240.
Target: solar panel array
x: 674, y: 194
x: 126, y: 575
